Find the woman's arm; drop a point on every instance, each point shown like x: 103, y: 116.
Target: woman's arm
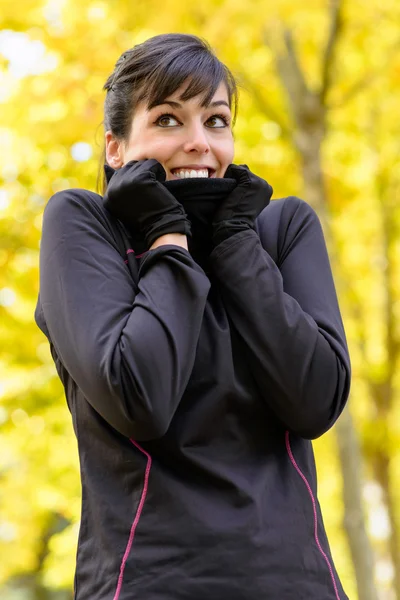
x: 130, y: 353
x: 177, y: 239
x: 288, y: 318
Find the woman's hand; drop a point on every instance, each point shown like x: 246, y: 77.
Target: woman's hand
x: 136, y: 196
x: 241, y: 208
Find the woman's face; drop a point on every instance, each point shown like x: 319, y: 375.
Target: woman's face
x: 182, y: 136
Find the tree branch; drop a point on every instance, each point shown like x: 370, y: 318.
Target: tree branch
x: 290, y: 71
x: 288, y: 68
x: 292, y: 63
x: 329, y: 54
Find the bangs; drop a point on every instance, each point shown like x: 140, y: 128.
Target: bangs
x: 204, y: 74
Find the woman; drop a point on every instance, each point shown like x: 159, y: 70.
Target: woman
x: 196, y: 329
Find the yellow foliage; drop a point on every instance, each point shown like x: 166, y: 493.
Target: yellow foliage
x: 51, y: 99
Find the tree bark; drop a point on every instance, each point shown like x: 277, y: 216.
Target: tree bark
x: 354, y: 520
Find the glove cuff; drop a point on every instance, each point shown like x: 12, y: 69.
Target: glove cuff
x: 170, y: 223
x: 226, y: 229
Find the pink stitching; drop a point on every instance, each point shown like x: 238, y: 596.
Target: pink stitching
x: 289, y: 451
x: 131, y: 251
x: 136, y: 520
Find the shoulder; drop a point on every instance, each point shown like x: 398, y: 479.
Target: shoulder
x: 283, y: 210
x: 284, y: 219
x: 74, y: 200
x: 77, y: 206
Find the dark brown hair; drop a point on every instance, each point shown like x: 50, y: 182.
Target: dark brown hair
x: 154, y: 70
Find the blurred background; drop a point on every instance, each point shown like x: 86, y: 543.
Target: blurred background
x: 319, y: 117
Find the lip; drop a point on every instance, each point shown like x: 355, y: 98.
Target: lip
x: 211, y: 170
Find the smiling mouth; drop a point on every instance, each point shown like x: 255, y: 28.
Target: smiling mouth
x: 181, y: 173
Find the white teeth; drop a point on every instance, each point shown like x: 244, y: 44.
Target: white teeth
x: 187, y: 173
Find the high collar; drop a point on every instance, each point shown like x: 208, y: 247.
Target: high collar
x: 200, y: 198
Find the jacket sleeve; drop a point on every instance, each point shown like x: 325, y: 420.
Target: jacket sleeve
x: 288, y: 318
x: 129, y: 349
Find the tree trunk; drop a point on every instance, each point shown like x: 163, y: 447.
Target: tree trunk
x: 351, y: 463
x: 382, y: 475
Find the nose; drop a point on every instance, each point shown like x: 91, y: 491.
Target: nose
x: 197, y: 140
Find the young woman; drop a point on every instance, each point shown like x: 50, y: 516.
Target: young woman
x: 196, y: 329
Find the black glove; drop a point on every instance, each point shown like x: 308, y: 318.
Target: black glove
x: 241, y: 208
x: 136, y: 196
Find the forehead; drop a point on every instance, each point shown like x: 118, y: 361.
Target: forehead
x: 221, y: 93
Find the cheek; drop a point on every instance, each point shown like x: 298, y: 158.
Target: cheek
x: 146, y: 146
x: 163, y: 150
x: 225, y: 152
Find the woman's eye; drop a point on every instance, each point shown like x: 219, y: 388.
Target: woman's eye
x: 223, y: 121
x: 214, y: 122
x: 163, y: 121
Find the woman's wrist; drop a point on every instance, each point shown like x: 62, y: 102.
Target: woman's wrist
x: 176, y: 239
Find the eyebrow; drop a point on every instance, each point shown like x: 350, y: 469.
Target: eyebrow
x: 178, y: 105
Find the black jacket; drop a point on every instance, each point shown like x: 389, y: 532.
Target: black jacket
x: 194, y: 392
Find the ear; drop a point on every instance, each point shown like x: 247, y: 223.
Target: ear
x: 114, y: 151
